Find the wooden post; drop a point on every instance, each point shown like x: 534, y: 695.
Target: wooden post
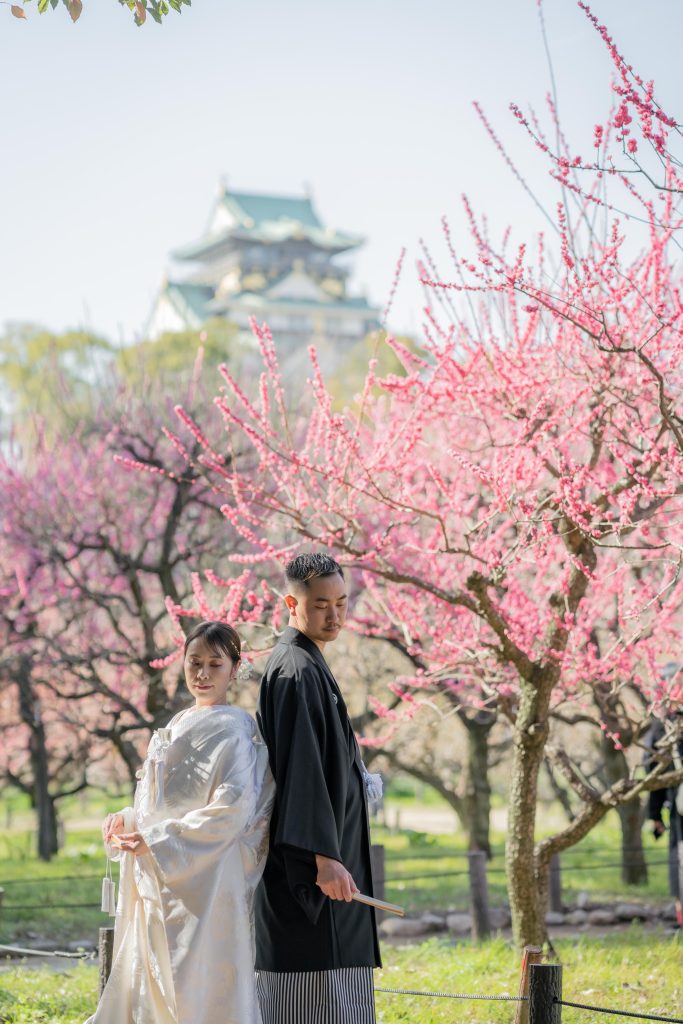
x: 531, y: 955
x: 545, y: 988
x: 555, y: 884
x: 479, y: 895
x: 377, y: 868
x: 106, y: 954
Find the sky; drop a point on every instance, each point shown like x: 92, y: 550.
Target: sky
x: 114, y: 138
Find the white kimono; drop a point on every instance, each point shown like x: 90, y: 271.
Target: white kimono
x: 184, y: 931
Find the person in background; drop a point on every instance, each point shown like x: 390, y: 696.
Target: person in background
x: 669, y: 801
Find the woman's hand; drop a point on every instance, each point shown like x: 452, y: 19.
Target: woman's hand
x: 112, y: 826
x: 132, y: 842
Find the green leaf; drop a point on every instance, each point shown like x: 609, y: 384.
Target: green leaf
x: 163, y: 7
x: 42, y: 6
x: 176, y: 5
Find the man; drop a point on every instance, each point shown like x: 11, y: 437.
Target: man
x: 315, y: 948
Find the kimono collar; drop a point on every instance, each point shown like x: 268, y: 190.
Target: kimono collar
x: 295, y: 638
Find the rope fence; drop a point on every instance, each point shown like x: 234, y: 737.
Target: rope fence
x: 540, y: 985
x: 477, y: 870
x: 451, y: 995
x: 619, y: 1013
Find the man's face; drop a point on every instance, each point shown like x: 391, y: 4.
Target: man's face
x: 319, y: 609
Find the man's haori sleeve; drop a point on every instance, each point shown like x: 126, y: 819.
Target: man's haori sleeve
x: 303, y: 756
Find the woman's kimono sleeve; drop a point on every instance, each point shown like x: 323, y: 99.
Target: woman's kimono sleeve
x: 187, y: 849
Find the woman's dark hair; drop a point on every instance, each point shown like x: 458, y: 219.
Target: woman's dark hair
x: 220, y: 637
x: 310, y: 566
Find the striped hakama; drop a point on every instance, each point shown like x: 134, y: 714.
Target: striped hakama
x: 344, y: 995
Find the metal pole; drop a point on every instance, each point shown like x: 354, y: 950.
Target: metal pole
x: 479, y: 895
x: 377, y: 868
x: 555, y: 884
x: 545, y: 989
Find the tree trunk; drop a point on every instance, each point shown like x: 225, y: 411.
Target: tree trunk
x: 633, y: 863
x: 531, y: 730
x: 48, y: 836
x: 475, y: 787
x: 43, y: 802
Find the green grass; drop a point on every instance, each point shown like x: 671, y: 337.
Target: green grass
x: 633, y: 970
x: 73, y: 877
x: 42, y: 997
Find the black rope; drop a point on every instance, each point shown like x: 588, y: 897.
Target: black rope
x: 619, y: 1013
x: 571, y: 851
x: 391, y: 879
x: 604, y: 867
x: 452, y: 995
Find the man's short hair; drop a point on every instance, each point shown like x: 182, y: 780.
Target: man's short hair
x: 309, y: 566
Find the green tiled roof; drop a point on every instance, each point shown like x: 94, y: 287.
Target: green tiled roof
x: 269, y: 219
x: 189, y: 298
x: 264, y: 208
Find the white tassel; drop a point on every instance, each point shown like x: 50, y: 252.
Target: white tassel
x: 108, y: 893
x: 373, y: 785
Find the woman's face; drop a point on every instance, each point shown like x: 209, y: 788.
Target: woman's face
x: 208, y: 673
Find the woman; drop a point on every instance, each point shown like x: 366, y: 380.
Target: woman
x: 192, y: 851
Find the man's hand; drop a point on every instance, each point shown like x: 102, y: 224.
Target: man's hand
x: 334, y: 880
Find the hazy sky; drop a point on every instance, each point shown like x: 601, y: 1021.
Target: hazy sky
x: 114, y: 138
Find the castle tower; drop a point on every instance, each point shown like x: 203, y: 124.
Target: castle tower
x: 270, y: 257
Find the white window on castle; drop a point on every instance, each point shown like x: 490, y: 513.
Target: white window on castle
x: 298, y: 323
x: 344, y: 327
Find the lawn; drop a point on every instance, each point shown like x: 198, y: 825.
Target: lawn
x: 630, y: 971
